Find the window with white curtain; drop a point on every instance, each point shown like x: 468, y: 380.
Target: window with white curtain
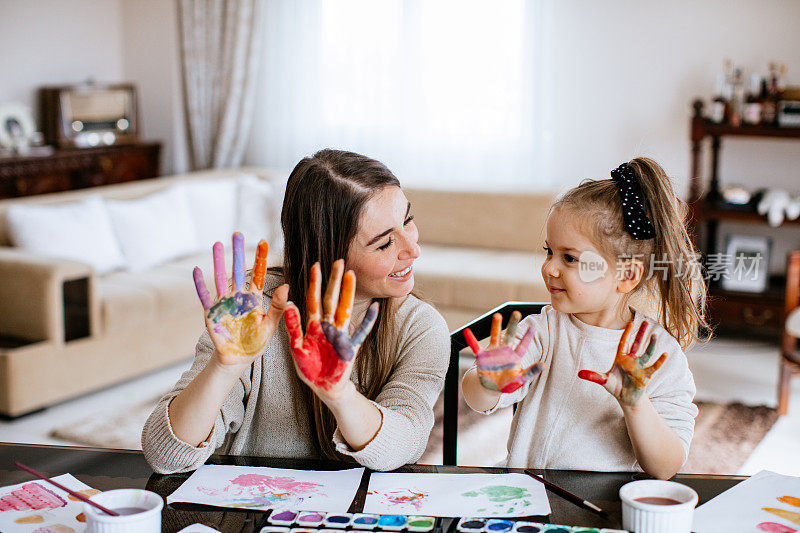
x: 450, y: 94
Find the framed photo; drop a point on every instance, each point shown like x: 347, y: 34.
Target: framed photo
x: 747, y: 263
x: 16, y: 126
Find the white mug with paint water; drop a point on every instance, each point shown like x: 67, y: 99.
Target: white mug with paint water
x: 655, y: 506
x: 140, y: 512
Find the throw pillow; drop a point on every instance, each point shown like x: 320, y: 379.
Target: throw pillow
x: 213, y: 207
x: 259, y: 212
x: 154, y: 229
x: 79, y: 231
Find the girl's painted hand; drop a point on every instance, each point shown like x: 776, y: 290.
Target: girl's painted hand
x: 324, y: 356
x: 628, y: 376
x: 499, y: 367
x: 236, y: 321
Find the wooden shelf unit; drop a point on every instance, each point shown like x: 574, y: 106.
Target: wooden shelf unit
x: 751, y: 313
x: 78, y: 168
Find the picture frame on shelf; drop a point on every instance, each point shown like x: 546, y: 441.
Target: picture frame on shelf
x: 16, y: 127
x: 747, y: 261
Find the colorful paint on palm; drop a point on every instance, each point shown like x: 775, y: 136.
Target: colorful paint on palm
x: 326, y: 351
x: 499, y: 365
x: 236, y: 318
x: 628, y: 375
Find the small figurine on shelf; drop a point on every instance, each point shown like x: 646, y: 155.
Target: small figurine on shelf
x: 777, y: 204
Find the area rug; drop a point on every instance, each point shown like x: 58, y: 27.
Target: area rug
x: 725, y: 434
x: 110, y: 430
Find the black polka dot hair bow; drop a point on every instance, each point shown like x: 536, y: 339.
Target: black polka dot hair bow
x: 634, y: 213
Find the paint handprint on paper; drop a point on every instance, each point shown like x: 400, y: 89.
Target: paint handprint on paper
x: 791, y: 516
x: 499, y: 365
x: 628, y: 376
x: 325, y: 354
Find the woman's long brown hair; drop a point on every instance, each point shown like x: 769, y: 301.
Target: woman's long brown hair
x: 679, y: 286
x: 324, y: 198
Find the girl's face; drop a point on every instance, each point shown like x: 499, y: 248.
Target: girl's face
x: 581, y: 280
x: 384, y: 249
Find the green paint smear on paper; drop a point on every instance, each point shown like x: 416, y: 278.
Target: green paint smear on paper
x: 499, y: 493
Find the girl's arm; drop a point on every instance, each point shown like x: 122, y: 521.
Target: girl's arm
x: 658, y: 448
x: 476, y: 395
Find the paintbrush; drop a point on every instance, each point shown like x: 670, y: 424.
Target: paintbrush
x: 78, y: 495
x: 567, y: 495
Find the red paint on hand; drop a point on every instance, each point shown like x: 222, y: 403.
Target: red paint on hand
x: 315, y: 356
x: 592, y: 376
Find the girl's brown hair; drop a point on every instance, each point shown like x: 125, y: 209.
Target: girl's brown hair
x: 678, y: 282
x: 324, y: 198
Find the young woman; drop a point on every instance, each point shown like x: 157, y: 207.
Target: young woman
x: 378, y: 408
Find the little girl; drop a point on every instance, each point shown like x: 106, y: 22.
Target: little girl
x: 607, y: 241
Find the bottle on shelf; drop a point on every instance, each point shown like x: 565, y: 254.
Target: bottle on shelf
x: 771, y: 98
x: 737, y: 101
x: 719, y: 105
x: 752, y: 106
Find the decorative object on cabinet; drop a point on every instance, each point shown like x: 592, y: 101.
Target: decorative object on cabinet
x: 748, y: 263
x: 89, y: 115
x: 734, y: 311
x: 16, y: 127
x: 68, y: 169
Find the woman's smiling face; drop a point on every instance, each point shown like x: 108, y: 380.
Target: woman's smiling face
x: 383, y: 251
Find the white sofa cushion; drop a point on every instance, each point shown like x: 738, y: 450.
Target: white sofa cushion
x: 259, y: 212
x: 154, y: 229
x: 213, y: 204
x: 80, y: 231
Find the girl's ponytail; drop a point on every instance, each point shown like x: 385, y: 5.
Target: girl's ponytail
x: 675, y: 274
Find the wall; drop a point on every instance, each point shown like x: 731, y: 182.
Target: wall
x: 52, y: 42
x: 627, y: 71
x: 150, y: 56
x: 55, y: 42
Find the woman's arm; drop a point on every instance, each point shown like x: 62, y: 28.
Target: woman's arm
x: 358, y: 419
x: 194, y: 410
x: 658, y: 448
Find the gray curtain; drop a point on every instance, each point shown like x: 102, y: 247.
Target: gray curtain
x: 220, y: 43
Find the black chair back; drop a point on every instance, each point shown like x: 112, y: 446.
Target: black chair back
x: 481, y: 327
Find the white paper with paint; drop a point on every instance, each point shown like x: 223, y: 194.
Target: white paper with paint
x: 258, y: 487
x: 450, y: 495
x: 36, y: 504
x: 765, y: 502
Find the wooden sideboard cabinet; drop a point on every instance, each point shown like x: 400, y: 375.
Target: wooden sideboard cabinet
x: 77, y: 168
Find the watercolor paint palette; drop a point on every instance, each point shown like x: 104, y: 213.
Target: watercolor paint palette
x: 291, y: 521
x: 484, y: 525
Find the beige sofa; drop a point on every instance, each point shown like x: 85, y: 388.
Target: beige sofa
x: 65, y: 331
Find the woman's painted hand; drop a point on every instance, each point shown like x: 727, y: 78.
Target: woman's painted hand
x: 324, y: 356
x: 628, y: 376
x: 235, y: 320
x: 499, y: 367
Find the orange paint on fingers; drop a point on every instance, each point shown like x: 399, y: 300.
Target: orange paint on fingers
x: 497, y: 325
x: 260, y: 266
x: 623, y: 340
x: 346, y: 300
x: 650, y: 370
x: 314, y: 293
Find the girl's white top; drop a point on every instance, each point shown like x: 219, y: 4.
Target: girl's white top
x: 565, y: 422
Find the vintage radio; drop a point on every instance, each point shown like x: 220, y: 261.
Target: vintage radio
x: 89, y: 115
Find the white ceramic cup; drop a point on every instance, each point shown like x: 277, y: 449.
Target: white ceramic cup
x: 641, y: 517
x: 148, y: 521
